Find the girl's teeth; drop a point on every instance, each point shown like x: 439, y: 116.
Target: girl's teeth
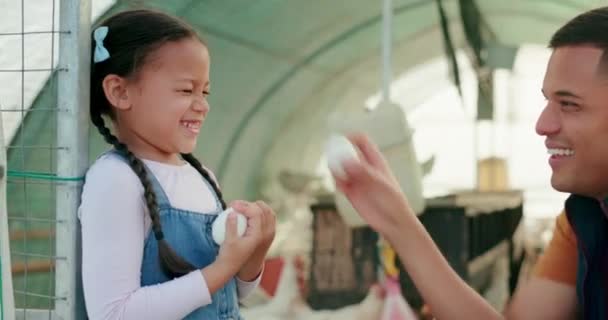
x: 191, y: 125
x: 561, y: 152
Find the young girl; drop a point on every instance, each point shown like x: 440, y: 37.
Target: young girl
x: 148, y: 204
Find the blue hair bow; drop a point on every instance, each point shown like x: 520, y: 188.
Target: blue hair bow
x: 100, y: 52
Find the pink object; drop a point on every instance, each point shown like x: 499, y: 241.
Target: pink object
x: 395, y: 306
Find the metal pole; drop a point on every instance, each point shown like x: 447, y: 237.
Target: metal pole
x: 72, y: 153
x: 387, y: 37
x: 7, y: 304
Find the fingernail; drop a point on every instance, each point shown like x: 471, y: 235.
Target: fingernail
x: 231, y: 216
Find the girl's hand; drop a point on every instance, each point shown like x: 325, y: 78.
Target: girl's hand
x: 261, y: 213
x: 235, y: 250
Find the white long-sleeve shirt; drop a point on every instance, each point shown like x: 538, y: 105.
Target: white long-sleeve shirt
x: 115, y: 223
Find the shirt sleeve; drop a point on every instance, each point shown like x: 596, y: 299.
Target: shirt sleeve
x: 245, y: 288
x: 560, y: 259
x: 113, y: 232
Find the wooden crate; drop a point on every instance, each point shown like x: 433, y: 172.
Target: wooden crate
x: 472, y: 230
x: 343, y: 260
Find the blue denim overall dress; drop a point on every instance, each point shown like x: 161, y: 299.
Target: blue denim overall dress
x: 189, y: 234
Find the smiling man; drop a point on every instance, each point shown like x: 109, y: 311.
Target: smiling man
x: 575, y: 125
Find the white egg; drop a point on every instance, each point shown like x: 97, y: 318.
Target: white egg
x: 339, y: 149
x: 218, y: 229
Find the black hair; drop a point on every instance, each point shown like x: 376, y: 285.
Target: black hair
x: 132, y: 37
x: 588, y: 28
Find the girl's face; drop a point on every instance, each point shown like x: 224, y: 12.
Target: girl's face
x: 166, y: 102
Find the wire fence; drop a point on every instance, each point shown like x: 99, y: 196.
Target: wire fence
x: 46, y: 73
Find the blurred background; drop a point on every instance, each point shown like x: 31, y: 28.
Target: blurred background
x: 449, y: 89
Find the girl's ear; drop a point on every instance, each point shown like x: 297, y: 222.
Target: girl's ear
x: 115, y: 89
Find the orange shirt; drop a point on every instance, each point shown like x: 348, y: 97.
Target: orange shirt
x: 559, y: 261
